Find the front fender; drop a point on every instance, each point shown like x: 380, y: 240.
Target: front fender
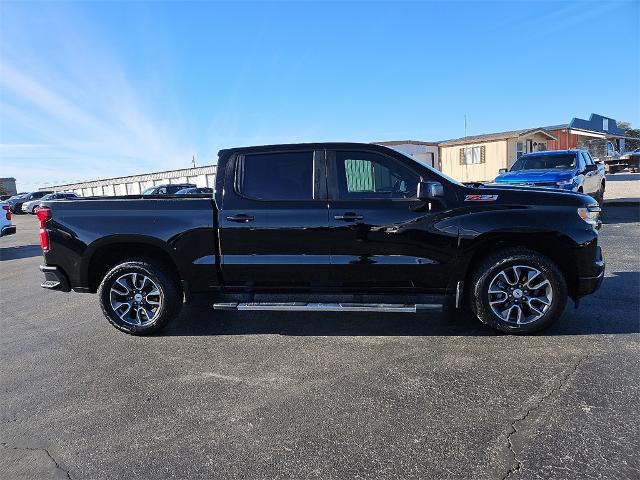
x: 557, y: 232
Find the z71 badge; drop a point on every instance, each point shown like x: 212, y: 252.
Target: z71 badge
x: 480, y: 198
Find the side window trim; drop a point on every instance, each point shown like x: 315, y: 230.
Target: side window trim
x: 332, y: 177
x: 588, y: 158
x: 583, y: 161
x: 318, y: 172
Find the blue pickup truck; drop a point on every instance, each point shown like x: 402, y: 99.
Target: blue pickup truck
x: 571, y: 170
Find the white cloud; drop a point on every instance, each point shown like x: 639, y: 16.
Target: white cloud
x: 77, y: 115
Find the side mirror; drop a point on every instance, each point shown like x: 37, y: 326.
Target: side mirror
x: 590, y: 168
x: 429, y: 190
x: 502, y: 170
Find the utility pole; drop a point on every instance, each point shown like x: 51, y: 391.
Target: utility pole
x: 193, y: 161
x: 465, y: 125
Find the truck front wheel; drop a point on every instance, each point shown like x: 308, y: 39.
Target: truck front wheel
x: 140, y: 296
x: 518, y: 291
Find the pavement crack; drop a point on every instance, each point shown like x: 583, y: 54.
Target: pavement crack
x: 516, y: 463
x: 46, y: 451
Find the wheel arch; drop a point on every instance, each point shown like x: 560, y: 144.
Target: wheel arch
x: 553, y: 245
x: 113, y: 250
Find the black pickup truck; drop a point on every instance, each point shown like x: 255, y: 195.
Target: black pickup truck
x: 328, y: 227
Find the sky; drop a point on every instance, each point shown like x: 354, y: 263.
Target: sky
x: 93, y: 90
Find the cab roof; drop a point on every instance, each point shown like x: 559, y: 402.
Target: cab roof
x: 547, y: 153
x: 305, y: 146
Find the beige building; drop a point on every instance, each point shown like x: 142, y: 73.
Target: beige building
x: 480, y: 157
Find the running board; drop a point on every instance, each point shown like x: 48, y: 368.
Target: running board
x: 329, y: 307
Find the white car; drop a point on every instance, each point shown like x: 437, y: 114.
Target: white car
x: 30, y: 207
x: 6, y: 225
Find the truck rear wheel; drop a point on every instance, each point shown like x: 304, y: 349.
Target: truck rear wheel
x: 140, y: 296
x: 518, y: 291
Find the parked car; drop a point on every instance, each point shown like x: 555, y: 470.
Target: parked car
x: 6, y: 224
x: 572, y: 170
x: 16, y: 202
x: 194, y: 190
x: 328, y: 220
x: 631, y: 160
x: 31, y: 206
x: 167, y: 189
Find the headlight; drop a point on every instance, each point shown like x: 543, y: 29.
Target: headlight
x: 590, y: 214
x: 565, y: 182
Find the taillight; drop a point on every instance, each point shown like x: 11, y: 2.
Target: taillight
x: 7, y: 211
x: 43, y: 215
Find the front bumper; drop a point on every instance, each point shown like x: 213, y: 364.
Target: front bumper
x: 588, y: 285
x: 8, y: 230
x: 54, y: 279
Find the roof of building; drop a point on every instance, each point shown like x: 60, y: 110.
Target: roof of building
x: 164, y: 175
x: 596, y: 123
x: 406, y: 142
x: 492, y: 137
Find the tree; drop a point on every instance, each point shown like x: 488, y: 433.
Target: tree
x: 3, y: 190
x: 630, y: 143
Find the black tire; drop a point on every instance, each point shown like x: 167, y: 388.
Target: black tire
x: 600, y: 195
x: 491, y: 267
x: 170, y: 297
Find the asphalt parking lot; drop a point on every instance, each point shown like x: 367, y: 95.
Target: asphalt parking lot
x: 237, y: 395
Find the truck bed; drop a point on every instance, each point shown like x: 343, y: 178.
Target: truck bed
x: 181, y: 227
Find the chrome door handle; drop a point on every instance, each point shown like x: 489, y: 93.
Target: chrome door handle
x: 348, y: 217
x: 241, y: 218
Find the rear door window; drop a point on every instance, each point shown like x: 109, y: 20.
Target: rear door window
x: 276, y: 176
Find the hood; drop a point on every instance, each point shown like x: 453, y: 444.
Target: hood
x: 535, y: 176
x: 506, y: 194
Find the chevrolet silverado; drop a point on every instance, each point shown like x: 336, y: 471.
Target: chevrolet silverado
x: 327, y: 227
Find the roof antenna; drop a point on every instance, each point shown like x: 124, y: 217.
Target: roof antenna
x: 193, y: 161
x: 465, y: 125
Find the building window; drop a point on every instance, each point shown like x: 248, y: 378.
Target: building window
x: 605, y: 124
x: 519, y: 149
x: 472, y: 155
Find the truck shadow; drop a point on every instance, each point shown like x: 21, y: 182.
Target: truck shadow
x: 21, y: 251
x: 199, y: 319
x: 612, y: 214
x: 622, y: 177
x: 609, y: 311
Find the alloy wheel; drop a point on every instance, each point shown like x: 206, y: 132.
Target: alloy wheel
x: 136, y: 299
x: 520, y: 294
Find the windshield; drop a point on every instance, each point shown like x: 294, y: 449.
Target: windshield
x: 545, y: 162
x: 48, y: 196
x: 148, y: 191
x: 429, y: 167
